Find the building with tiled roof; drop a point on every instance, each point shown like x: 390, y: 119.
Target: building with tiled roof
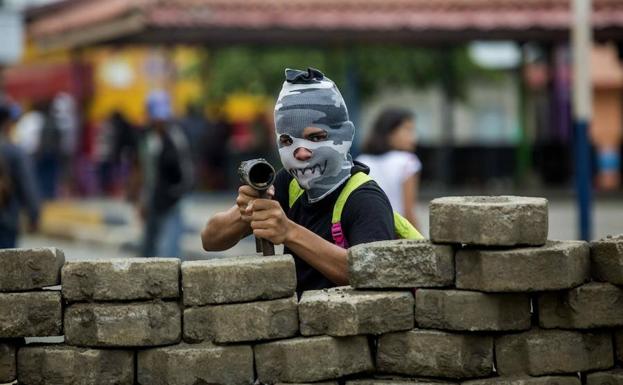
x: 82, y: 22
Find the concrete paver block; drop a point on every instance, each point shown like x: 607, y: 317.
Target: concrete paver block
x: 28, y: 269
x: 471, y: 310
x: 592, y: 305
x: 607, y: 259
x: 238, y: 279
x: 31, y: 314
x: 432, y: 353
x: 195, y: 364
x: 545, y: 380
x: 556, y: 266
x: 121, y: 279
x: 68, y: 365
x: 612, y: 377
x: 123, y: 324
x: 252, y: 321
x: 397, y: 381
x: 400, y: 264
x: 8, y: 369
x: 540, y: 352
x: 346, y: 312
x: 489, y: 220
x: 312, y: 359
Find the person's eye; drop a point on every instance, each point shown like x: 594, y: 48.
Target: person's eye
x: 319, y: 137
x: 285, y: 140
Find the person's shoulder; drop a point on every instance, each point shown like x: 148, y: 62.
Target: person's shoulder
x: 368, y: 196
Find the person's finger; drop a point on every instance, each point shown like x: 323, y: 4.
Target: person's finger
x: 264, y: 234
x: 271, y: 192
x: 248, y: 191
x: 264, y: 204
x: 262, y: 215
x: 270, y: 223
x: 242, y: 201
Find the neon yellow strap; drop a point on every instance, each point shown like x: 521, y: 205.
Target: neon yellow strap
x: 404, y: 229
x: 294, y: 192
x: 351, y: 185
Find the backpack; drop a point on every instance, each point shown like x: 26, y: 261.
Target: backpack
x: 402, y: 227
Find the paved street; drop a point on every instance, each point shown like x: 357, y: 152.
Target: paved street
x: 120, y: 236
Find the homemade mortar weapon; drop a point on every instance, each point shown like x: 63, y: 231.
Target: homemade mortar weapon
x: 260, y: 175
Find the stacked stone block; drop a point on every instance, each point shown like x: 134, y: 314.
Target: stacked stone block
x: 244, y: 299
x: 488, y: 300
x: 26, y: 309
x: 230, y: 305
x: 122, y: 303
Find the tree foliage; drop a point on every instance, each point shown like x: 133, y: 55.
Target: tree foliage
x: 259, y: 70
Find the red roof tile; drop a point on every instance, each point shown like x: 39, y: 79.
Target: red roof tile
x: 329, y: 15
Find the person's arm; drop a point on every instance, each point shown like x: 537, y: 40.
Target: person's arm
x: 227, y: 228
x: 224, y: 230
x: 269, y: 221
x: 409, y: 195
x: 326, y: 257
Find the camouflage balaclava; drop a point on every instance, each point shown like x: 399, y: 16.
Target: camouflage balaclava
x: 309, y: 99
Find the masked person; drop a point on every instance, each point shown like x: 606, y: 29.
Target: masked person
x: 314, y: 136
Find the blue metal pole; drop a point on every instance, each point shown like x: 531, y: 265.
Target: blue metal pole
x: 582, y: 110
x: 583, y: 177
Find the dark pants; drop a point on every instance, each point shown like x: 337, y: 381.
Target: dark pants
x: 48, y: 167
x: 8, y: 239
x: 162, y: 233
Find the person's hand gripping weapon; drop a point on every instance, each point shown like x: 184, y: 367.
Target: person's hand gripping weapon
x: 259, y: 175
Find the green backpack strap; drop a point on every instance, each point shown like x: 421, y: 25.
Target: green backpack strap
x: 294, y: 192
x: 353, y: 183
x: 404, y: 229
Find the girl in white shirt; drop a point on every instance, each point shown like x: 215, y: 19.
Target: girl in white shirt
x: 388, y: 152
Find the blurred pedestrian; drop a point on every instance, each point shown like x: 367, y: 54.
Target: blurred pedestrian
x: 167, y: 178
x: 116, y: 152
x: 388, y: 151
x: 49, y: 156
x: 28, y: 128
x: 17, y: 185
x: 196, y: 128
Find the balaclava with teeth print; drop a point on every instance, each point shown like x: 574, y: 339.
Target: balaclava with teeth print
x: 309, y: 99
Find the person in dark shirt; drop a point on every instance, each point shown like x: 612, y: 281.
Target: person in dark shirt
x: 17, y: 185
x: 167, y: 178
x: 314, y: 135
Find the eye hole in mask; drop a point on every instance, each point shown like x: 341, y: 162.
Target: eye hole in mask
x: 317, y: 136
x: 285, y: 140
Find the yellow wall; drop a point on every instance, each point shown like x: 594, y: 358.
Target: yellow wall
x: 124, y: 77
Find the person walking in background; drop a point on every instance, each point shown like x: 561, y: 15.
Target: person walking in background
x: 28, y: 129
x: 49, y: 156
x: 116, y: 152
x: 17, y: 185
x: 167, y: 176
x: 388, y: 151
